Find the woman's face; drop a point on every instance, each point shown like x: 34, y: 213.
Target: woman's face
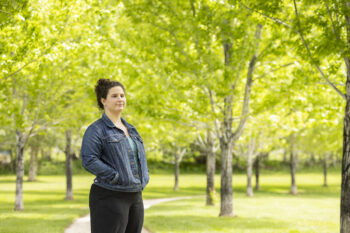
x: 115, y: 100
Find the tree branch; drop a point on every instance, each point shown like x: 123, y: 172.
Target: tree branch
x: 44, y: 53
x: 264, y: 74
x: 270, y: 17
x: 310, y: 55
x: 248, y: 85
x: 5, y: 12
x: 193, y: 8
x: 212, y: 103
x: 331, y: 18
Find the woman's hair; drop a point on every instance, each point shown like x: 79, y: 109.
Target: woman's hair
x: 102, y: 87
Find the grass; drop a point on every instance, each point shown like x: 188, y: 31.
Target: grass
x: 273, y: 209
x: 45, y: 209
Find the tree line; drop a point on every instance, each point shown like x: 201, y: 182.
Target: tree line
x: 243, y: 77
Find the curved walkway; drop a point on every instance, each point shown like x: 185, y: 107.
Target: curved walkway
x: 82, y: 225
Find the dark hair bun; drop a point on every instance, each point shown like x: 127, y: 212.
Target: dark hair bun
x: 103, y: 82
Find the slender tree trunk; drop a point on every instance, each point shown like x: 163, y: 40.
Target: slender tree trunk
x: 345, y: 183
x: 249, y: 174
x: 33, y: 164
x: 46, y: 153
x: 13, y: 159
x: 285, y: 156
x: 20, y: 143
x: 177, y: 173
x: 333, y: 159
x: 226, y: 189
x: 312, y: 159
x: 178, y: 155
x: 293, y: 168
x: 210, y: 169
x: 320, y: 159
x: 226, y: 144
x: 325, y: 170
x: 257, y: 173
x: 69, y: 166
x: 228, y: 137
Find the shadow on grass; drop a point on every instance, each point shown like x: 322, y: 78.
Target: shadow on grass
x: 190, y: 223
x: 162, y: 192
x: 305, y: 191
x: 9, y: 181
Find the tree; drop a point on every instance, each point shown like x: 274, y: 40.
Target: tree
x: 202, y: 47
x: 321, y: 40
x: 209, y: 148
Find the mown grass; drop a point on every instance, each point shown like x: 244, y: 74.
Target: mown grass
x: 273, y: 209
x: 45, y: 207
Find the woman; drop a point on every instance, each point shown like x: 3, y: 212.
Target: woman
x: 113, y: 150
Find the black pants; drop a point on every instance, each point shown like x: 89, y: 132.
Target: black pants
x: 115, y: 212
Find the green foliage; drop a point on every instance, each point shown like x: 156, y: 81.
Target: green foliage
x: 169, y: 54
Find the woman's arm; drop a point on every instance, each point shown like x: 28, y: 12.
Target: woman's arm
x: 91, y: 151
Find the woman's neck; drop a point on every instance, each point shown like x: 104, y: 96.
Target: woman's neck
x: 114, y: 116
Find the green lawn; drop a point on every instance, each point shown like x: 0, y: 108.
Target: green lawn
x: 273, y: 209
x: 315, y: 209
x: 45, y: 209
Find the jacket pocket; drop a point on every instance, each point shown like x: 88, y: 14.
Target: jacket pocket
x: 114, y: 138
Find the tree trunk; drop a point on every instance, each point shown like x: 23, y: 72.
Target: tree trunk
x: 249, y: 174
x: 33, y: 164
x: 325, y: 170
x: 13, y: 159
x: 178, y: 155
x: 345, y: 184
x: 312, y: 159
x: 285, y: 157
x: 46, y: 154
x: 226, y: 189
x: 293, y: 168
x: 228, y: 138
x: 333, y: 159
x: 210, y: 169
x: 177, y: 173
x: 257, y: 173
x: 69, y: 166
x: 20, y: 143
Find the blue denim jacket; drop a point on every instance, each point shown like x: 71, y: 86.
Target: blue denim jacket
x: 105, y: 153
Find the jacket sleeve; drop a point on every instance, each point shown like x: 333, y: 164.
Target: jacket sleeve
x: 91, y: 151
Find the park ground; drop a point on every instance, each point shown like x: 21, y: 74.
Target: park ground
x: 272, y: 209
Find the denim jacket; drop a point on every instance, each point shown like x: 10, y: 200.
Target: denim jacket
x: 105, y: 152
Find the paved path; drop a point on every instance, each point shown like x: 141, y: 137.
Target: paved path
x: 82, y: 225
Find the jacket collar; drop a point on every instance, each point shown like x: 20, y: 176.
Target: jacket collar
x: 110, y: 124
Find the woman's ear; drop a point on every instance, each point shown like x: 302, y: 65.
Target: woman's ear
x: 103, y: 101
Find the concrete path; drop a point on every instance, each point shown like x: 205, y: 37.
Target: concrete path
x: 82, y: 225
